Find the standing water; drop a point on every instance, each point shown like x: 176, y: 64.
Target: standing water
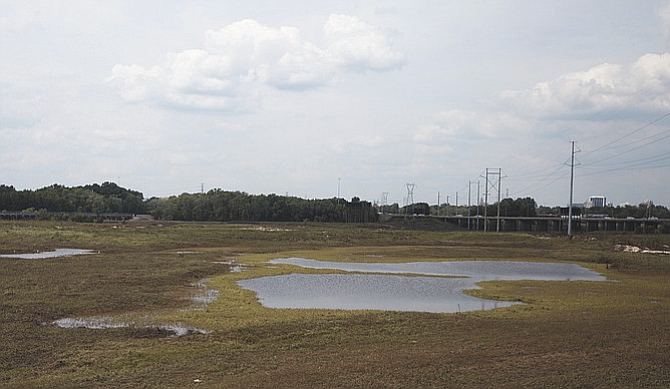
x: 389, y: 291
x: 49, y: 254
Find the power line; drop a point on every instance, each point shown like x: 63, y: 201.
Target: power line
x: 631, y: 132
x: 554, y: 173
x: 548, y: 181
x: 631, y: 166
x: 532, y: 176
x: 648, y: 159
x: 629, y: 150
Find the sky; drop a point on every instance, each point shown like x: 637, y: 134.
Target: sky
x: 349, y: 98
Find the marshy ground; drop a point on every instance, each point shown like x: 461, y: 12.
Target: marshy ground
x: 567, y: 334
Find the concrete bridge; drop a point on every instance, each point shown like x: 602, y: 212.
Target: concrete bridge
x: 553, y: 224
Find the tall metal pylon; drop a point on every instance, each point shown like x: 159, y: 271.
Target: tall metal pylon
x: 410, y: 198
x: 493, y: 184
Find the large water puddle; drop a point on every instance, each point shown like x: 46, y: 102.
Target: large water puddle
x: 49, y: 254
x: 427, y: 290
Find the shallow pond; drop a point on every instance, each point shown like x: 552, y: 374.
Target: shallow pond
x: 435, y: 293
x: 49, y: 254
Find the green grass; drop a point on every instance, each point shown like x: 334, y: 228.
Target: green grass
x: 568, y: 334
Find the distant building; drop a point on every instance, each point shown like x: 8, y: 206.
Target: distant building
x: 596, y: 201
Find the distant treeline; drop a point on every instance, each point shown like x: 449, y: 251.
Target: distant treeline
x: 508, y: 207
x: 219, y: 205
x: 215, y: 205
x: 644, y: 210
x: 527, y: 207
x: 97, y: 199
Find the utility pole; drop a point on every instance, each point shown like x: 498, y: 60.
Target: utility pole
x: 572, y: 186
x: 498, y: 217
x: 456, y: 211
x: 469, y: 184
x: 438, y: 203
x: 486, y: 201
x: 338, y: 190
x: 478, y: 201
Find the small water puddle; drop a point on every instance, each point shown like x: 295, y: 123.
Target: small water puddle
x: 49, y: 254
x: 434, y: 293
x: 203, y: 296
x: 233, y: 266
x: 108, y: 322
x: 200, y: 299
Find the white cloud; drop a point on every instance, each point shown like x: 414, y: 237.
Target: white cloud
x: 245, y: 56
x: 358, y: 46
x: 278, y: 57
x: 643, y: 86
x: 134, y: 81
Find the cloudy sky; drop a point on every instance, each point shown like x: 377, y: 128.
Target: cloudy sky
x: 308, y: 98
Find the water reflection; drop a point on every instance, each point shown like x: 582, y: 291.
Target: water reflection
x: 402, y: 293
x: 478, y: 270
x: 49, y: 254
x: 365, y: 291
x: 108, y: 322
x: 200, y: 299
x: 203, y: 296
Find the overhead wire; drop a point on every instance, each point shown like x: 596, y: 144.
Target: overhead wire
x: 633, y: 165
x: 545, y: 177
x: 630, y: 133
x: 632, y: 149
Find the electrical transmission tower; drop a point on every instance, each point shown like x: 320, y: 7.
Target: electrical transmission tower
x: 492, y: 184
x: 410, y: 198
x: 385, y: 202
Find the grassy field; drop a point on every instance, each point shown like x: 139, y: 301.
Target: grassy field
x: 568, y: 334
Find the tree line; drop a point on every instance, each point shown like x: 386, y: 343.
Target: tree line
x: 508, y: 207
x: 220, y: 205
x: 58, y: 201
x: 96, y: 199
x: 527, y: 207
x: 644, y: 210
